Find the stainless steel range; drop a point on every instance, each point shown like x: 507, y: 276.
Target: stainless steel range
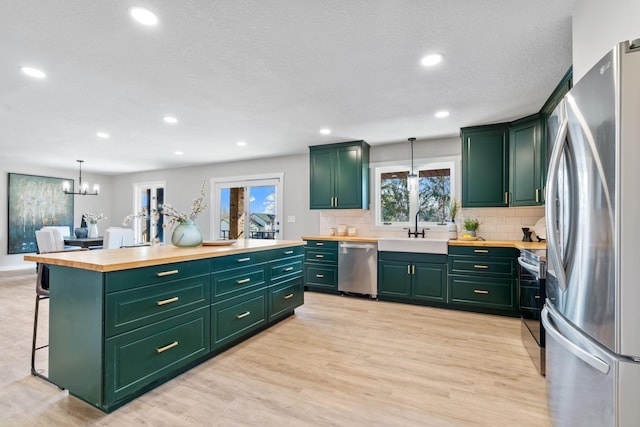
x: 531, y: 293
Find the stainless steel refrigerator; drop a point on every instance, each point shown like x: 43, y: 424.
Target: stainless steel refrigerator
x: 592, y: 311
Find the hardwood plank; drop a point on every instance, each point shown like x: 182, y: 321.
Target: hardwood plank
x: 340, y: 361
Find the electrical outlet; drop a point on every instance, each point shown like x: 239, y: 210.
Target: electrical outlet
x: 291, y: 218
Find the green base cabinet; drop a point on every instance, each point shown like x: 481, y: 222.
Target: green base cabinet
x: 483, y: 279
x: 339, y: 176
x: 116, y: 335
x: 411, y: 277
x: 321, y: 266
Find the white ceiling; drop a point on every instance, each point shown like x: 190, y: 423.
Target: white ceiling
x: 268, y: 72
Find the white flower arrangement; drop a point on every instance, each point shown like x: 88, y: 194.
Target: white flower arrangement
x: 93, y: 218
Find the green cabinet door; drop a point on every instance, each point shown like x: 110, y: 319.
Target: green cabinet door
x: 527, y: 161
x: 485, y: 168
x: 339, y: 176
x: 430, y: 282
x: 394, y: 279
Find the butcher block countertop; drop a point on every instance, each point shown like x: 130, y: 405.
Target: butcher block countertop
x: 489, y: 243
x: 106, y: 260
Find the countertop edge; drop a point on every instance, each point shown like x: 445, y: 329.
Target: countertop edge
x: 459, y: 242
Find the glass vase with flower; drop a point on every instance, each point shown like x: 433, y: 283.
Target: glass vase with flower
x: 92, y: 220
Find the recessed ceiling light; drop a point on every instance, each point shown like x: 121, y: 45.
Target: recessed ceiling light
x: 178, y: 153
x: 442, y: 114
x: 325, y: 131
x: 170, y: 119
x: 33, y: 72
x: 143, y: 16
x: 103, y: 135
x: 241, y: 144
x: 431, y: 60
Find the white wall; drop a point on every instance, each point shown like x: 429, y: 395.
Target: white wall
x: 597, y: 26
x: 82, y: 204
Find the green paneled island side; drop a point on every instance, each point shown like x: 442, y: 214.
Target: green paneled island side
x: 123, y: 321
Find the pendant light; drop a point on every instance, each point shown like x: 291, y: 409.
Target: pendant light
x: 83, y: 189
x: 411, y: 173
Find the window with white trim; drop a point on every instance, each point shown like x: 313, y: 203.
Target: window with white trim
x: 400, y: 195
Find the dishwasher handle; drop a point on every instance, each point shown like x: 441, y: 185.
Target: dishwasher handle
x: 345, y: 245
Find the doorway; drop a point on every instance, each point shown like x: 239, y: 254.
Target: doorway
x: 149, y: 196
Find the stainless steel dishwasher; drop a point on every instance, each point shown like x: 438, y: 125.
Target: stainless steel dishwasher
x: 358, y: 268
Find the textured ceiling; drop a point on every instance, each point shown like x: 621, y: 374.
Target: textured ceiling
x: 271, y: 73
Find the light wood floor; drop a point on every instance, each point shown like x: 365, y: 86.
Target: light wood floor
x: 340, y: 361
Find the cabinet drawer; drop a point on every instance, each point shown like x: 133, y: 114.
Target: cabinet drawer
x: 321, y: 256
x: 139, y: 357
x: 482, y: 251
x: 322, y: 244
x: 127, y: 279
x: 239, y: 260
x: 287, y: 252
x: 285, y: 297
x: 530, y: 297
x: 233, y: 282
x: 321, y: 276
x: 285, y: 268
x: 235, y: 317
x: 133, y: 308
x: 494, y: 267
x: 498, y: 293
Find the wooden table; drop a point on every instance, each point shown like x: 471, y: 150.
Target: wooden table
x: 84, y: 242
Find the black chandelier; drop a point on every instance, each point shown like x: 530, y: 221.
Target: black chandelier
x: 83, y: 188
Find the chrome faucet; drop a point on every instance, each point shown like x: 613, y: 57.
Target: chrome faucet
x: 416, y: 233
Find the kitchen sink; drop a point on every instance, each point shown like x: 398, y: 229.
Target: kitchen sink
x: 427, y: 245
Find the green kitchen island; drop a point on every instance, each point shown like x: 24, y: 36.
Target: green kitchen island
x: 123, y: 321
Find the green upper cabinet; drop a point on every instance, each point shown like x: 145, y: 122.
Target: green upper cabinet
x: 527, y: 161
x: 339, y: 176
x: 485, y: 166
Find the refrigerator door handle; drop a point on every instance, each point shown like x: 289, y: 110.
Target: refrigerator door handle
x: 588, y: 358
x: 551, y: 209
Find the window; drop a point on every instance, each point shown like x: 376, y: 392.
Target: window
x: 399, y: 196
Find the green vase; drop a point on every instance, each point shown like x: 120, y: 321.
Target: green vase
x: 186, y: 235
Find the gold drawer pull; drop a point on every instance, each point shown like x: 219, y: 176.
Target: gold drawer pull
x: 480, y: 291
x: 288, y: 269
x: 245, y: 314
x: 244, y: 259
x: 167, y: 301
x: 408, y: 268
x: 166, y: 347
x: 319, y: 256
x: 320, y: 276
x: 537, y: 296
x: 288, y: 296
x: 537, y: 195
x: 288, y: 252
x: 167, y: 273
x: 480, y: 266
x: 481, y: 251
x: 240, y: 282
x: 319, y: 244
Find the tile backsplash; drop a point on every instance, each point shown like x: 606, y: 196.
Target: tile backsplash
x: 495, y: 223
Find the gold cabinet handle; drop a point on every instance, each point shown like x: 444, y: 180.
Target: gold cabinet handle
x: 166, y: 347
x: 240, y: 282
x: 167, y: 273
x: 536, y: 296
x: 319, y: 276
x: 336, y: 205
x: 288, y: 296
x: 288, y: 252
x: 480, y: 266
x: 537, y: 195
x: 319, y: 244
x: 506, y: 198
x: 481, y: 251
x: 408, y: 269
x: 245, y: 314
x: 167, y: 301
x: 288, y: 269
x: 319, y: 256
x: 480, y: 291
x: 413, y: 269
x: 244, y: 259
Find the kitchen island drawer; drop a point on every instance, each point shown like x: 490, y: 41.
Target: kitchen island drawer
x: 229, y: 283
x: 495, y: 267
x: 496, y: 293
x: 286, y: 268
x: 127, y: 279
x: 134, y: 308
x: 240, y: 260
x: 139, y: 357
x: 235, y: 317
x: 285, y: 297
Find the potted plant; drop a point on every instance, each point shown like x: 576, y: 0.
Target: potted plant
x: 471, y: 225
x: 453, y: 209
